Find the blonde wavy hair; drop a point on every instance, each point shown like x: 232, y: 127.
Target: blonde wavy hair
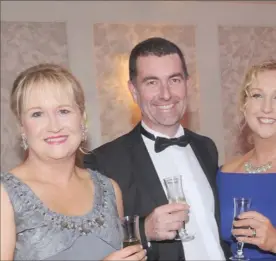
x: 41, y: 77
x: 249, y: 79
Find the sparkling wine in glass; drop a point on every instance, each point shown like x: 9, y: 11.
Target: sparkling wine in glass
x: 176, y: 194
x: 130, y: 225
x: 240, y: 205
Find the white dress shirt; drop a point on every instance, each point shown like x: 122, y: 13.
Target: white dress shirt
x: 174, y: 161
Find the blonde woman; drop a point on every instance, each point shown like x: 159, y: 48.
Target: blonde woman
x: 51, y: 207
x: 253, y: 175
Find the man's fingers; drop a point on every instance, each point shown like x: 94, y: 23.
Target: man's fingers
x: 172, y: 207
x: 174, y: 226
x: 165, y: 219
x: 177, y: 216
x: 169, y: 235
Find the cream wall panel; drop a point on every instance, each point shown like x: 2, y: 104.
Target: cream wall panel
x: 23, y: 45
x: 207, y: 16
x: 113, y: 43
x: 240, y: 48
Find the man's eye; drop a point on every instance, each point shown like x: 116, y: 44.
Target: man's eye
x: 36, y: 114
x: 175, y: 80
x: 152, y: 82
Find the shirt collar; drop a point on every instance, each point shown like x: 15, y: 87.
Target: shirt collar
x: 180, y: 131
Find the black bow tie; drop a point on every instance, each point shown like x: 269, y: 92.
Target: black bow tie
x: 162, y: 143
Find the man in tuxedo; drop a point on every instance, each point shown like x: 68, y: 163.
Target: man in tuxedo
x: 159, y: 147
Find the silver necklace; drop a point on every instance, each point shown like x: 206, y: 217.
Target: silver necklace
x: 249, y: 168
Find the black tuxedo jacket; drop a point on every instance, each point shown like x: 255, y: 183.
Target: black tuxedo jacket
x: 127, y: 161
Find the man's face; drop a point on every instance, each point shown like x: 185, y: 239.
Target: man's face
x: 160, y: 90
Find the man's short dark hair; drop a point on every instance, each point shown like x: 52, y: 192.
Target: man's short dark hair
x: 154, y: 46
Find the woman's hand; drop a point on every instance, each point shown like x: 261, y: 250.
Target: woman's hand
x: 133, y: 253
x: 260, y: 232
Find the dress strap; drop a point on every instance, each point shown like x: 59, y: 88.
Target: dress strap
x: 15, y: 189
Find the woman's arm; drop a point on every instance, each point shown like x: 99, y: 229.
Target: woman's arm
x: 135, y: 252
x: 7, y: 229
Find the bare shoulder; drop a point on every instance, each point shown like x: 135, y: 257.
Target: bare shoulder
x: 236, y: 164
x: 115, y: 186
x: 8, y: 227
x: 6, y: 204
x: 21, y: 171
x: 4, y: 194
x: 83, y: 174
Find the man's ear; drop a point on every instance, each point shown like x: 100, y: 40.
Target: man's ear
x: 133, y: 91
x: 188, y: 85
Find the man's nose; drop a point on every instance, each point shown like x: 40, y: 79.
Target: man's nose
x: 165, y: 92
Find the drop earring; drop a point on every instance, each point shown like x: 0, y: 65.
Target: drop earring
x: 24, y: 143
x: 84, y: 133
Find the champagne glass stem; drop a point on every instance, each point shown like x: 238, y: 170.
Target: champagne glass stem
x: 240, y: 249
x: 176, y: 194
x: 183, y: 230
x: 240, y: 205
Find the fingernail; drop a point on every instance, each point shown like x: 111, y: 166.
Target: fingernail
x: 145, y: 251
x: 146, y: 258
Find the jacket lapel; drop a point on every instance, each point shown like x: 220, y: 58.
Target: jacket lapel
x: 144, y: 170
x: 199, y: 156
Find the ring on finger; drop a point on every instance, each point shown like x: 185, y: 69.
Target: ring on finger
x: 254, y: 232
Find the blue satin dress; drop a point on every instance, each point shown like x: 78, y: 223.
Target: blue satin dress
x: 261, y: 188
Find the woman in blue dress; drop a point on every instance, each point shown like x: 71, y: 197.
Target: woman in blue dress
x: 253, y: 175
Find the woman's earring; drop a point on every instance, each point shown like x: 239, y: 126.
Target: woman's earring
x: 24, y: 143
x: 84, y: 133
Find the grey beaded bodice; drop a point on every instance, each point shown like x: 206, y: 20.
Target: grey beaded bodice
x: 44, y: 234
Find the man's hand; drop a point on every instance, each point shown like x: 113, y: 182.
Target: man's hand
x: 164, y: 221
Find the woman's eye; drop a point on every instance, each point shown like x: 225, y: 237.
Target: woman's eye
x: 64, y: 111
x: 256, y: 95
x: 36, y: 114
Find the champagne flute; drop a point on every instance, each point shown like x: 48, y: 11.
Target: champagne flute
x: 130, y: 225
x: 240, y: 205
x: 175, y: 194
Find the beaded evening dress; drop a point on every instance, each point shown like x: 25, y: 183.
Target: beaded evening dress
x: 42, y: 234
